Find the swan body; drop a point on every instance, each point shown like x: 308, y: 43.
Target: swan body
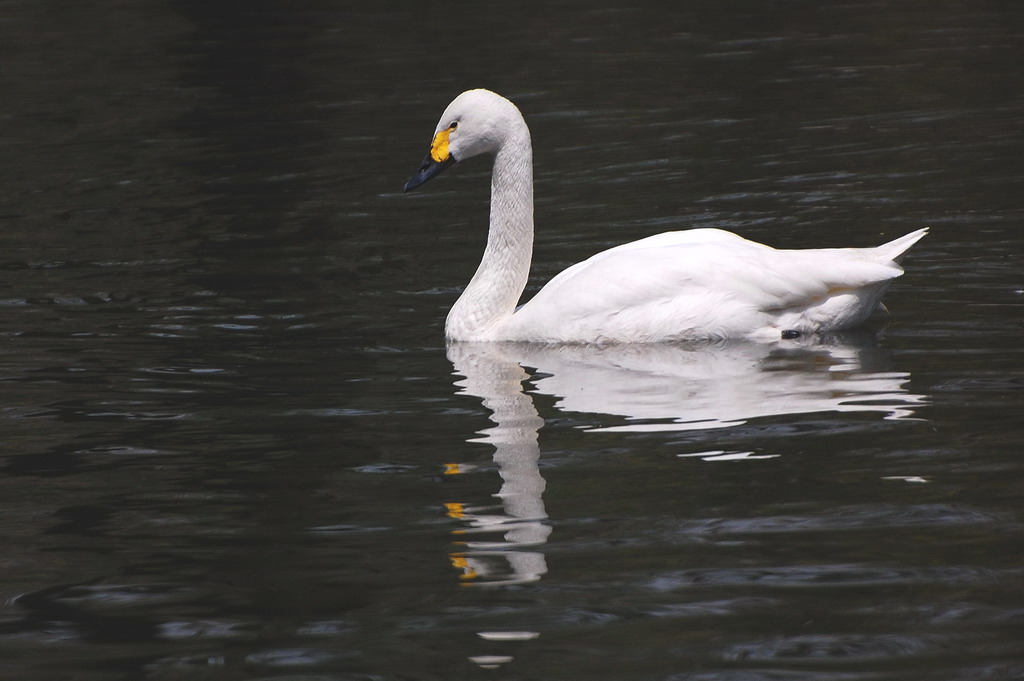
x: 687, y: 285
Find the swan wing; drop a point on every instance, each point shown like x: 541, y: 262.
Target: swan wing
x: 699, y: 283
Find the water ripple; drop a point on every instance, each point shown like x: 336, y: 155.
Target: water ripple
x: 828, y: 576
x: 853, y: 647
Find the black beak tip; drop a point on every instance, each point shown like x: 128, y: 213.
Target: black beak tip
x: 414, y: 181
x: 418, y: 178
x: 428, y: 169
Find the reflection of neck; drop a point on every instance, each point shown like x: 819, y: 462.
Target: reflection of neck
x: 492, y: 294
x: 498, y: 381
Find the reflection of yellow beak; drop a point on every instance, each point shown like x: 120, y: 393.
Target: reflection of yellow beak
x: 459, y: 561
x: 439, y: 147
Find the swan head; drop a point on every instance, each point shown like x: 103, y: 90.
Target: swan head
x: 476, y: 122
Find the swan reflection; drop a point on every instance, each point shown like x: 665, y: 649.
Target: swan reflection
x: 673, y: 387
x: 652, y: 388
x: 518, y: 519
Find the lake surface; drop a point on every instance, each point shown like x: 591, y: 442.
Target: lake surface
x: 235, y: 445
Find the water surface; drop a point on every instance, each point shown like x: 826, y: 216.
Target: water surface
x: 237, y: 447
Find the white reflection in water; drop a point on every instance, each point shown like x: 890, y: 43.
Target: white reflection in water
x: 520, y: 517
x: 656, y: 388
x: 674, y: 387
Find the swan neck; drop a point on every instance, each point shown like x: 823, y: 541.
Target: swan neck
x: 492, y: 294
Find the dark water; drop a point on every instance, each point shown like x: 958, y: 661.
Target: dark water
x: 236, y: 447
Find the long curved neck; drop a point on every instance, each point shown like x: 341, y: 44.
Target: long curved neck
x: 492, y: 294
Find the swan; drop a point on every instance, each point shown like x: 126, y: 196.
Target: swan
x: 697, y: 284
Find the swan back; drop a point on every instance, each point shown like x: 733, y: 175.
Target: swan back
x: 708, y: 284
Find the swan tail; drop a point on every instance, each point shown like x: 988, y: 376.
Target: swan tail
x: 895, y: 250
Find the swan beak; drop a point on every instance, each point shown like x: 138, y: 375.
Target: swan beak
x: 436, y: 161
x: 428, y: 169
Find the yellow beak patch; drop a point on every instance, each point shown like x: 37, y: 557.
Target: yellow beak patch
x: 439, y: 147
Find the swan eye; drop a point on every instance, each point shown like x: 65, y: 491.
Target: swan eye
x: 454, y: 125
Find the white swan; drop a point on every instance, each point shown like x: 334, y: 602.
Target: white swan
x: 688, y: 285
